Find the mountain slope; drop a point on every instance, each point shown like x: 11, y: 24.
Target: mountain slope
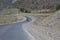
x: 36, y: 4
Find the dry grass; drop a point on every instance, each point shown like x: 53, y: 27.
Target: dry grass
x: 7, y: 18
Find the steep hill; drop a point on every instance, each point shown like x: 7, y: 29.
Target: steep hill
x: 36, y: 4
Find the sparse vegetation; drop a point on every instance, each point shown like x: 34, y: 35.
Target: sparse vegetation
x: 36, y: 4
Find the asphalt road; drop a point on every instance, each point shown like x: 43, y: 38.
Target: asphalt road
x: 15, y: 31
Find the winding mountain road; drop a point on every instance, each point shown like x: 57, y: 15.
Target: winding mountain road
x: 15, y: 31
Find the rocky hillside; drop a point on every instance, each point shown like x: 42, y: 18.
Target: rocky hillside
x: 36, y: 4
x: 30, y: 4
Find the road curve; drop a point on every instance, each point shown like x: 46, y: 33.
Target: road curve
x: 15, y: 31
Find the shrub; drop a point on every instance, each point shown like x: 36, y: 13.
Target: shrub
x: 22, y: 9
x: 58, y: 7
x: 50, y: 6
x: 26, y: 11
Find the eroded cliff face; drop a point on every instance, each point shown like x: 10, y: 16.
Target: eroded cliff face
x: 36, y: 4
x: 30, y: 4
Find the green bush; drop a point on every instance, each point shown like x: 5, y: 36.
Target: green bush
x: 58, y: 7
x: 22, y: 9
x: 26, y: 11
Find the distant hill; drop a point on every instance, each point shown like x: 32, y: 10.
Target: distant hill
x: 5, y: 3
x: 36, y: 4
